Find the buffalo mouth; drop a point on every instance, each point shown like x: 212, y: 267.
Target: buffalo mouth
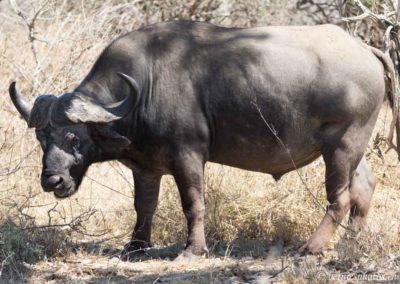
x: 64, y: 187
x: 64, y: 192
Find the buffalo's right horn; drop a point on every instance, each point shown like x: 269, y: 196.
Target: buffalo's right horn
x: 123, y: 107
x: 23, y: 107
x: 72, y: 108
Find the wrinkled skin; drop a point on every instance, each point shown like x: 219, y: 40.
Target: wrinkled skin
x: 196, y: 93
x: 64, y: 160
x: 69, y: 151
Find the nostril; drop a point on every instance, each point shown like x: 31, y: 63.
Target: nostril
x: 51, y: 182
x: 60, y: 180
x: 55, y: 180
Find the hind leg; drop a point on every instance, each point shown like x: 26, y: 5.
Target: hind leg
x: 340, y: 163
x: 349, y: 182
x: 362, y: 187
x: 348, y: 187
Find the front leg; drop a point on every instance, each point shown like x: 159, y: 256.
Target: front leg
x: 188, y: 174
x: 146, y: 198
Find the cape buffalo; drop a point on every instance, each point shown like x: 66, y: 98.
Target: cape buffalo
x: 169, y: 97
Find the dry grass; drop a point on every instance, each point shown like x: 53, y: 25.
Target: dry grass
x: 253, y: 224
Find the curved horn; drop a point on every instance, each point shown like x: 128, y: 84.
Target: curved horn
x: 75, y: 107
x: 122, y: 108
x: 23, y: 107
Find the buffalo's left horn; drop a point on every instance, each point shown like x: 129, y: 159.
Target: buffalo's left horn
x: 122, y: 108
x: 23, y: 107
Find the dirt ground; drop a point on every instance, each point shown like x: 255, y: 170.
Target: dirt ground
x: 273, y: 268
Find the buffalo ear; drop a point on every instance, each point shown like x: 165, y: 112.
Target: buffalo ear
x: 110, y: 138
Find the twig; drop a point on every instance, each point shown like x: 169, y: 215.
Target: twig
x: 365, y: 15
x: 279, y: 272
x: 49, y: 212
x: 30, y: 25
x: 392, y: 259
x: 4, y: 262
x: 108, y: 187
x: 73, y: 224
x: 121, y: 174
x: 382, y: 19
x: 18, y: 166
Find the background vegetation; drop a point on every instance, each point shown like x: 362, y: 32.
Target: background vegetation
x: 254, y: 225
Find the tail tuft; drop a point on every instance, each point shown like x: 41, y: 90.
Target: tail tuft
x: 393, y: 95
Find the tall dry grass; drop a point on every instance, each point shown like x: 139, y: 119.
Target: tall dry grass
x: 48, y: 47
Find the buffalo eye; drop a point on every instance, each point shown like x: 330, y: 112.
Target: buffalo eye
x: 72, y: 139
x: 41, y: 137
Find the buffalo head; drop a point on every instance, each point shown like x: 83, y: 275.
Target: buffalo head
x: 72, y: 129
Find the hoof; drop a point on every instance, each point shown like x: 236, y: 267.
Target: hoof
x: 188, y: 257
x: 134, y: 250
x: 192, y: 254
x: 310, y: 249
